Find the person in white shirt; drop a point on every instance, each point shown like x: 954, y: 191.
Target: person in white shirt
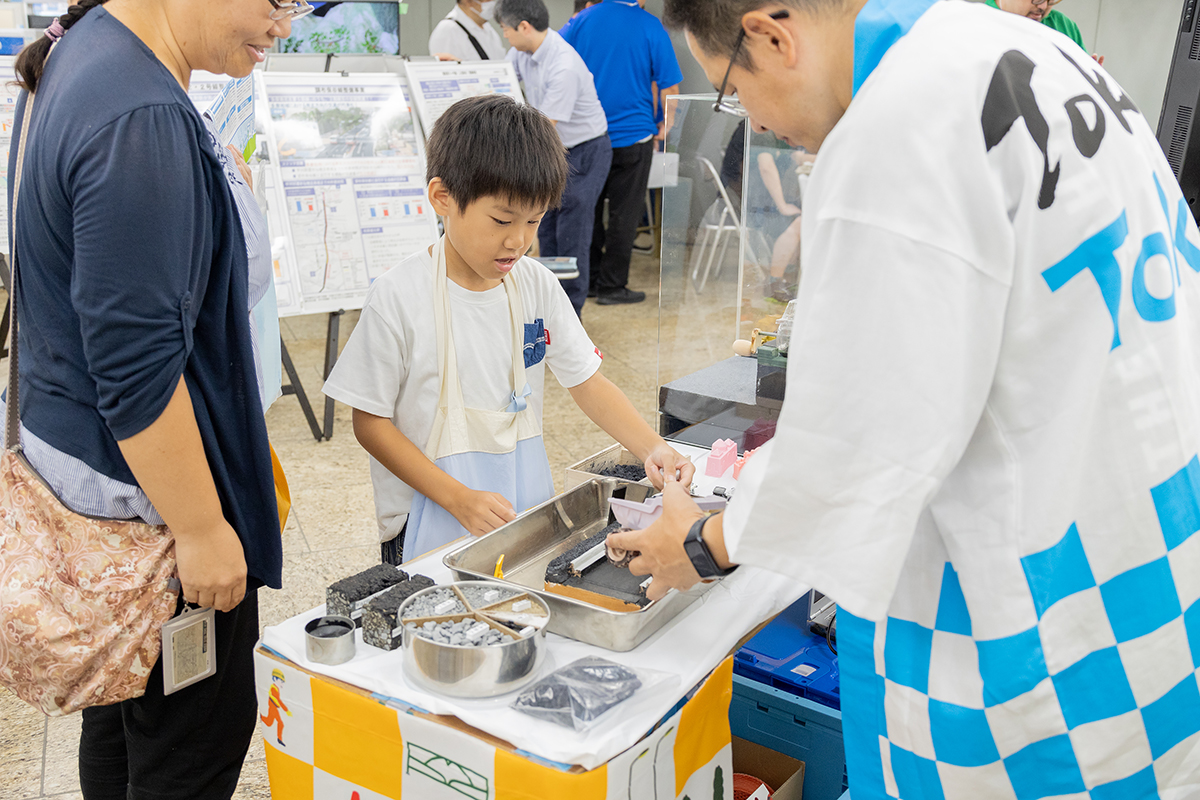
x: 988, y: 454
x: 465, y: 35
x: 446, y: 368
x: 558, y: 84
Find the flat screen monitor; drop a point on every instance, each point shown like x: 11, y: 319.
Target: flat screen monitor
x: 1177, y: 131
x: 359, y: 26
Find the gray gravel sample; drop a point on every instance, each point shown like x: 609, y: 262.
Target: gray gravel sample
x: 465, y: 633
x: 480, y: 596
x: 435, y: 604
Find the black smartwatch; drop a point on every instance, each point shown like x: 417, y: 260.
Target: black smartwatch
x: 699, y: 554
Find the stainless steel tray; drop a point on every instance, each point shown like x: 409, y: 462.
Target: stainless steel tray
x: 534, y: 539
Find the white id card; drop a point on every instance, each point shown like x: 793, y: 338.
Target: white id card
x: 188, y: 648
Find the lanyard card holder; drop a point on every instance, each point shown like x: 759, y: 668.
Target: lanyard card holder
x: 188, y: 648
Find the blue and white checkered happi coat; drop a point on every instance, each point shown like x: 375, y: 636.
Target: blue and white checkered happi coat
x: 1098, y: 699
x: 989, y: 451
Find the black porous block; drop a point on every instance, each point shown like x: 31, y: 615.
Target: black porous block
x: 380, y: 618
x: 348, y: 596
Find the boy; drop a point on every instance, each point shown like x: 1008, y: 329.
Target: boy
x: 464, y: 455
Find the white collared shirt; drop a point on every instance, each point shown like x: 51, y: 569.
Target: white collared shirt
x: 558, y: 84
x: 448, y: 37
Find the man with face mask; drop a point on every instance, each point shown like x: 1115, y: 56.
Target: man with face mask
x: 988, y: 450
x: 465, y: 35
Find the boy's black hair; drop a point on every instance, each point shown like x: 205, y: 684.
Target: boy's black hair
x: 580, y: 5
x: 493, y: 146
x: 512, y: 13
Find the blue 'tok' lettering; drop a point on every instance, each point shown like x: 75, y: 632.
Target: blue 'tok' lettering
x: 1149, y: 307
x: 1098, y: 256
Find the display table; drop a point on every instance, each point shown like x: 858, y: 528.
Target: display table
x: 361, y: 728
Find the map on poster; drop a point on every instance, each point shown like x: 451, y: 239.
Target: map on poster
x: 437, y: 85
x: 230, y: 104
x: 347, y: 185
x: 8, y: 115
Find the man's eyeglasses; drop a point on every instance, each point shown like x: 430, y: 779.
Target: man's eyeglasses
x: 290, y: 10
x: 1047, y: 3
x: 728, y: 106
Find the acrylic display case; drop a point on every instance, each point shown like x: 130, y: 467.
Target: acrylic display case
x: 730, y: 264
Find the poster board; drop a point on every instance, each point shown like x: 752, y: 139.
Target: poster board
x: 437, y: 85
x: 8, y: 115
x: 344, y: 187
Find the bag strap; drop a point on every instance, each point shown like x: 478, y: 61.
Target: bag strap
x: 483, y: 56
x: 12, y: 417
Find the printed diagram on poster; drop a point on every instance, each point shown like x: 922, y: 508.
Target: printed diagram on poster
x: 230, y: 105
x: 8, y: 115
x: 346, y: 186
x: 437, y: 85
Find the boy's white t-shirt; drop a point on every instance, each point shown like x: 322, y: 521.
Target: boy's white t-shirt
x: 389, y: 366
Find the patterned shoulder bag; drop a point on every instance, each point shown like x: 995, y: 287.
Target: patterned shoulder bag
x: 82, y: 599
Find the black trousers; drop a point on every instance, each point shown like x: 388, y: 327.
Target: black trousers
x: 625, y: 191
x: 189, y: 745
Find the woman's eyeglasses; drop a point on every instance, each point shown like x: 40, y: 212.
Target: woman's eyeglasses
x: 727, y: 105
x: 290, y: 10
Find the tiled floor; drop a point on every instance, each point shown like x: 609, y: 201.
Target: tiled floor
x: 331, y: 532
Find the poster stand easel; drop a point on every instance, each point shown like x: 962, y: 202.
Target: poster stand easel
x: 295, y: 387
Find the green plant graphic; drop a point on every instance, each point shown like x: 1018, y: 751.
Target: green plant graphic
x: 719, y: 784
x: 446, y: 772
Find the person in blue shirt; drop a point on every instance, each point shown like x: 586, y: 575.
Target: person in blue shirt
x: 628, y: 52
x: 137, y: 363
x: 580, y: 5
x: 558, y: 84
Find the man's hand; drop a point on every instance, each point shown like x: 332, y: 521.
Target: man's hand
x: 212, y: 567
x: 242, y: 166
x: 445, y: 57
x: 1099, y: 59
x: 664, y: 461
x: 481, y: 512
x: 661, y: 545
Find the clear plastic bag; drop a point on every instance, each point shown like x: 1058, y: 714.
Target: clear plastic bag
x: 578, y: 694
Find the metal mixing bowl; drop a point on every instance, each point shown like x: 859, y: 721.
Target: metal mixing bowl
x: 463, y: 671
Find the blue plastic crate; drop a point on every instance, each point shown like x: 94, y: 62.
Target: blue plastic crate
x: 787, y: 656
x: 796, y: 727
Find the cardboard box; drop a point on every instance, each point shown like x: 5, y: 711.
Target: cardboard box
x: 782, y: 773
x: 327, y: 740
x: 590, y: 467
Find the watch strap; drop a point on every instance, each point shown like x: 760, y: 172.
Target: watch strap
x: 699, y: 554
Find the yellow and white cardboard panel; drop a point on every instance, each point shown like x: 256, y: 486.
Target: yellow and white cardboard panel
x: 326, y: 742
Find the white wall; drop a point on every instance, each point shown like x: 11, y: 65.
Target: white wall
x: 423, y: 15
x: 1136, y: 37
x: 1137, y: 40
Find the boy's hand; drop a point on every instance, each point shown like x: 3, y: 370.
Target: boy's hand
x: 663, y: 461
x: 481, y: 512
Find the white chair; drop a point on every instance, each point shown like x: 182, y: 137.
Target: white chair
x: 714, y: 239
